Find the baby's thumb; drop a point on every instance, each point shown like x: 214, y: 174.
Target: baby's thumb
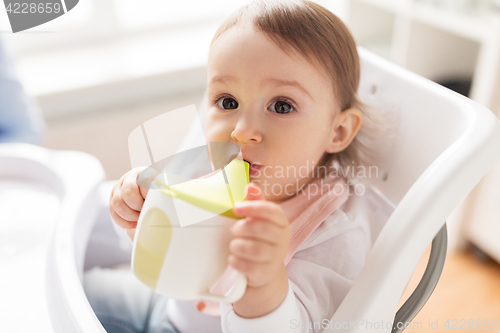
x: 253, y: 192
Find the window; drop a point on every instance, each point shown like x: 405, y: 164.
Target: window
x: 94, y: 21
x: 141, y: 14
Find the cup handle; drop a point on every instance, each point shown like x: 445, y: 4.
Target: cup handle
x: 234, y: 294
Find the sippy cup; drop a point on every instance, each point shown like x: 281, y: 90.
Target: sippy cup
x: 182, y: 238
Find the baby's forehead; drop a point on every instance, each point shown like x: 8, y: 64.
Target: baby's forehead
x: 257, y: 57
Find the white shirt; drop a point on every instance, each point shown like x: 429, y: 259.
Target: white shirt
x: 319, y: 276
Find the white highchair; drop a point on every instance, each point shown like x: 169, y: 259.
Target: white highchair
x: 443, y: 145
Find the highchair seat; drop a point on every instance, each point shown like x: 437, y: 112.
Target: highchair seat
x: 443, y: 145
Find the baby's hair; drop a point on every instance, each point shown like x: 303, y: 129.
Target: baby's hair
x: 324, y: 40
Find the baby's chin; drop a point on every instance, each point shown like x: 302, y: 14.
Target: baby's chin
x: 276, y: 189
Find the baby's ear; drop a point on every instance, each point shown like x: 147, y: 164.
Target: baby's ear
x: 345, y: 128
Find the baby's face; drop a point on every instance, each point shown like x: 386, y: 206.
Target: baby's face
x: 277, y: 107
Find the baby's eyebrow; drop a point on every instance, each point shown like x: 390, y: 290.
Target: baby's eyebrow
x: 224, y: 79
x: 280, y: 82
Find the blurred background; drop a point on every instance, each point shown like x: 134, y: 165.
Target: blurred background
x: 105, y: 67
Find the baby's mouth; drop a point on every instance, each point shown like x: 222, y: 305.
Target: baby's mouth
x: 254, y: 168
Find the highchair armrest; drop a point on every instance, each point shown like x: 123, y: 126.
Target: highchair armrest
x: 426, y: 286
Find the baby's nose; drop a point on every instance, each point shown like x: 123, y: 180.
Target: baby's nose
x: 246, y: 135
x: 247, y: 129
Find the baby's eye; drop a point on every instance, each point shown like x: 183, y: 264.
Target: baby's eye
x: 227, y: 103
x: 281, y: 107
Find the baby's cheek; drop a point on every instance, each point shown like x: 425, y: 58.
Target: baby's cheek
x: 216, y: 131
x: 210, y: 134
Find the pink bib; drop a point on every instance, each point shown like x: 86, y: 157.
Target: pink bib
x: 305, y: 211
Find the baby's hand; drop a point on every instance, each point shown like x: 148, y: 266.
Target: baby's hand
x: 260, y: 240
x: 126, y: 200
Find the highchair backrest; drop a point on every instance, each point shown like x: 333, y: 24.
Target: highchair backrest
x: 443, y: 144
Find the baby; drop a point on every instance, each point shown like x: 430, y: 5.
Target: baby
x: 282, y: 82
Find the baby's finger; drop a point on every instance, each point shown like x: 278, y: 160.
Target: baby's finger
x: 257, y: 229
x: 258, y: 274
x: 144, y: 176
x: 122, y: 209
x: 262, y: 210
x: 252, y: 250
x: 131, y: 195
x: 121, y: 222
x: 117, y: 186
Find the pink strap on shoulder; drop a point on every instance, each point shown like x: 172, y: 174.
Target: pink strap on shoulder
x: 306, y: 212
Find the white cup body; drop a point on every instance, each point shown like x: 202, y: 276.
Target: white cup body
x: 182, y: 262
